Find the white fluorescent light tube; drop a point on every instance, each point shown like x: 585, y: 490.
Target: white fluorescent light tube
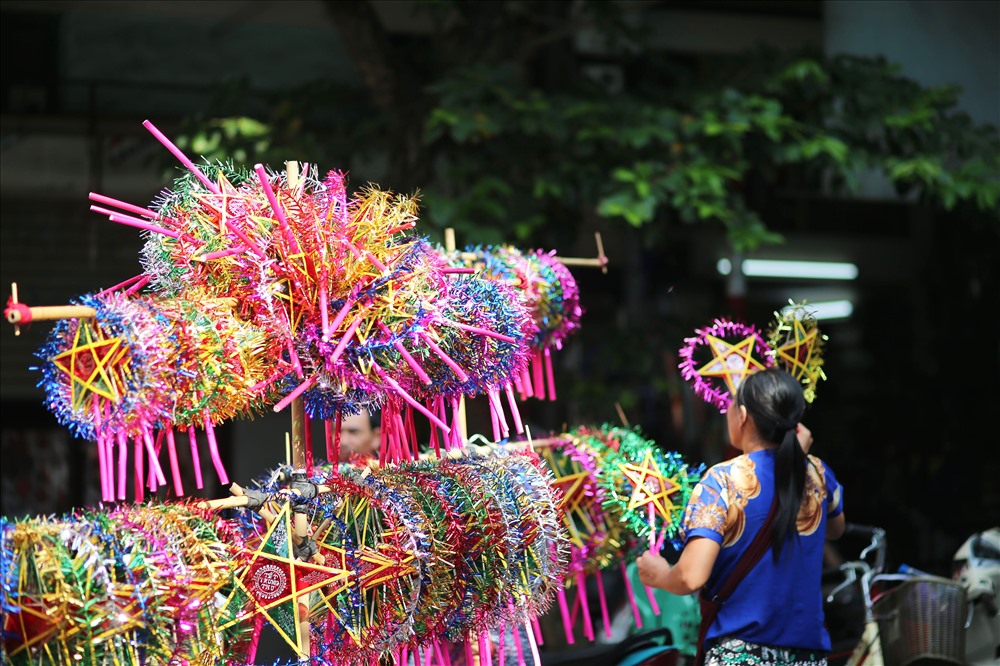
x: 818, y: 270
x: 826, y: 310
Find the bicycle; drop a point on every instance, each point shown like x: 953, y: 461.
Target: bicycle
x: 910, y: 619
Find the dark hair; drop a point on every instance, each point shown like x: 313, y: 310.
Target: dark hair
x: 374, y: 419
x: 775, y: 402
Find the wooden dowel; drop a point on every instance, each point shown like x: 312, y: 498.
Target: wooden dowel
x: 53, y: 312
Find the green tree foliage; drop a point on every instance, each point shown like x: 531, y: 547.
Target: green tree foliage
x: 507, y: 141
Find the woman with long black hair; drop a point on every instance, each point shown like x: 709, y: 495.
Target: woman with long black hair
x: 754, y: 534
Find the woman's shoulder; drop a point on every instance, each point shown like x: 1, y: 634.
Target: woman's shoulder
x: 818, y: 464
x: 734, y: 466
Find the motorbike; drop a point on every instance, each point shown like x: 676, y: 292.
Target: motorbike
x: 976, y: 565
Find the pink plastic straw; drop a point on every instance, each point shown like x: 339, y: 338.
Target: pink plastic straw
x: 239, y: 249
x: 518, y: 426
x: 299, y: 390
x: 418, y: 370
x: 109, y: 455
x: 265, y: 183
x: 102, y: 457
x: 485, y: 654
x: 457, y: 271
x: 175, y: 468
x: 516, y: 631
x: 605, y: 617
x: 531, y: 640
x: 181, y: 157
x: 564, y: 611
x: 481, y: 331
x: 111, y: 290
x: 150, y: 475
x: 401, y: 392
x: 652, y: 545
x: 468, y: 652
x: 109, y: 201
x: 494, y: 398
x: 335, y: 324
x: 130, y: 221
x: 549, y: 374
x: 652, y: 525
x: 122, y: 464
x: 296, y: 364
x: 494, y: 421
x: 526, y: 382
x: 501, y: 630
x: 213, y: 451
x: 581, y: 594
x: 652, y: 600
x: 246, y: 239
x: 462, y: 376
x: 270, y: 380
x: 154, y: 463
x: 143, y: 281
x: 324, y: 310
x: 195, y: 457
x: 538, y: 380
x: 342, y: 345
x: 631, y: 596
x: 139, y: 490
x: 538, y: 630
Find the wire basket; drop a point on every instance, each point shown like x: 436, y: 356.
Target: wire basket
x: 922, y: 622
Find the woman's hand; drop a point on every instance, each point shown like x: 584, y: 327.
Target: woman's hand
x: 653, y: 569
x: 805, y: 437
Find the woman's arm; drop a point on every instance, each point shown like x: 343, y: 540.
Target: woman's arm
x: 689, y: 574
x: 835, y: 527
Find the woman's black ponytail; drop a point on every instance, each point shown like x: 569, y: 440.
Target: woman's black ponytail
x: 774, y: 400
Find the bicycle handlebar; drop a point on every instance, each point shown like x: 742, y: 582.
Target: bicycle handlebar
x: 861, y: 530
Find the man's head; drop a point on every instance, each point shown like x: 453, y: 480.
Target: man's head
x: 359, y: 435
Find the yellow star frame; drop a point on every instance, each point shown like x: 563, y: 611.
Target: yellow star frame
x: 732, y: 362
